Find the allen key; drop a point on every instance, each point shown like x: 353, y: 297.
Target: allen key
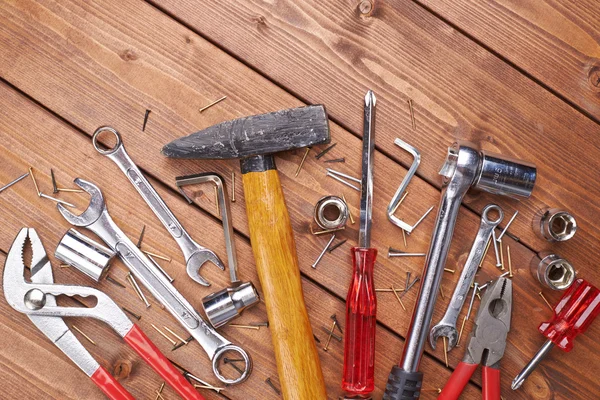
x: 398, y: 196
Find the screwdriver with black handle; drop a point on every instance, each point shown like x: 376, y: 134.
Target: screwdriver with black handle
x: 573, y: 314
x: 361, y: 303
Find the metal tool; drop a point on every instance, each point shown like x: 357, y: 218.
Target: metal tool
x: 486, y: 344
x: 361, y: 301
x: 465, y: 167
x: 397, y: 198
x: 225, y: 305
x: 3, y: 188
x: 85, y: 254
x: 573, y: 314
x: 552, y: 271
x: 554, y: 224
x: 96, y: 219
x: 331, y: 212
x: 255, y: 139
x: 447, y: 326
x: 195, y: 255
x: 38, y: 301
x: 318, y: 260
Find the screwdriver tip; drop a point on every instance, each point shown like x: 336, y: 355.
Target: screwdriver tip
x: 370, y: 99
x: 516, y: 383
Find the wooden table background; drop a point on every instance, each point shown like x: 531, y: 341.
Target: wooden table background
x: 520, y: 77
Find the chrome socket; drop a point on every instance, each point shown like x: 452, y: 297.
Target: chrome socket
x: 554, y: 225
x: 223, y: 306
x: 552, y: 271
x: 84, y: 254
x: 331, y: 212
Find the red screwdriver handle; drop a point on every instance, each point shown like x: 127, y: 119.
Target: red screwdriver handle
x: 361, y: 308
x: 138, y: 341
x: 110, y: 386
x: 573, y: 314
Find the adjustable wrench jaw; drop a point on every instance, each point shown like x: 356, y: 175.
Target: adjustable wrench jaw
x: 492, y: 325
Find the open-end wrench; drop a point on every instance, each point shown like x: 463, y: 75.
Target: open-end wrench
x: 96, y: 219
x: 447, y: 326
x: 195, y: 255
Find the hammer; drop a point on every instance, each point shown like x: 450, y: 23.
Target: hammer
x: 253, y: 140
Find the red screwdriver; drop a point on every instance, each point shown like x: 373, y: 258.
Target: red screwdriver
x: 572, y: 315
x: 361, y: 303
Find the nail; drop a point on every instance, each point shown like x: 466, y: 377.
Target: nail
x: 398, y: 297
x: 162, y: 386
x: 134, y: 315
x: 407, y: 280
x: 337, y: 178
x: 145, y: 120
x: 256, y: 328
x: 164, y: 258
x: 338, y: 244
x: 213, y: 103
x: 137, y: 289
x: 141, y: 239
x: 176, y: 335
x: 3, y: 188
x: 450, y: 270
x: 268, y: 382
x: 404, y: 238
x: 37, y: 189
x: 323, y: 252
x: 54, y: 186
x: 157, y: 265
x: 510, y: 273
x: 507, y: 225
x: 329, y: 338
x: 501, y: 254
x: 542, y: 296
x: 400, y: 202
x: 445, y: 350
x: 302, y: 162
x: 337, y: 323
x: 333, y: 335
x: 233, y: 186
x: 84, y: 335
x: 487, y: 247
x: 164, y: 335
x: 321, y: 154
x: 45, y: 196
x: 461, y: 330
x: 336, y: 160
x: 495, y: 242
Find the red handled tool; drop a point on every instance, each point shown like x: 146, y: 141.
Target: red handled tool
x: 486, y: 343
x: 361, y: 303
x: 38, y: 300
x: 573, y: 314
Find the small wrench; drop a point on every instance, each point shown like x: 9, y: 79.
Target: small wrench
x: 195, y: 255
x: 96, y: 219
x: 447, y: 326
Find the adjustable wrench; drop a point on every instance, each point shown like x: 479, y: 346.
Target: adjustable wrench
x: 96, y: 219
x: 447, y: 326
x: 195, y: 255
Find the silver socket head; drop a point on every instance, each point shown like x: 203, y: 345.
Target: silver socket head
x: 552, y: 271
x: 554, y: 225
x: 84, y: 254
x: 331, y: 212
x: 223, y: 306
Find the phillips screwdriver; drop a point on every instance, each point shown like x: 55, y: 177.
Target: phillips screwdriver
x: 573, y: 314
x: 361, y: 303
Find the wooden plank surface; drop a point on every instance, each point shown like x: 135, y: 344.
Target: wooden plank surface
x: 329, y: 52
x: 557, y: 42
x: 114, y: 60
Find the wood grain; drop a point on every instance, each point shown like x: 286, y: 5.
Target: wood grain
x: 328, y: 52
x: 21, y: 207
x: 106, y: 63
x: 556, y: 41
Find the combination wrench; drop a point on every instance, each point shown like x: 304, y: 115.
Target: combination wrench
x: 97, y: 219
x: 447, y: 326
x: 195, y: 255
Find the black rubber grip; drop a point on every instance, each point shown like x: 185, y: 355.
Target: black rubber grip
x: 402, y: 385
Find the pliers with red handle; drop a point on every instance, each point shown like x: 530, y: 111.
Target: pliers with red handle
x: 487, y: 343
x: 38, y: 300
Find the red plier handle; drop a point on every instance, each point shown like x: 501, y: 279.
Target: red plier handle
x: 139, y: 342
x: 460, y: 377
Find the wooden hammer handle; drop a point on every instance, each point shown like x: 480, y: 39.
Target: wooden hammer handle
x: 274, y: 250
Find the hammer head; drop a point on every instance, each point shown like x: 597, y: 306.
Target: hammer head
x: 255, y: 135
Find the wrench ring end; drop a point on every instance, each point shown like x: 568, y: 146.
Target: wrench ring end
x: 247, y: 364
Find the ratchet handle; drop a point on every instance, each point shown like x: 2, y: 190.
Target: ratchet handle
x: 274, y: 249
x: 138, y: 341
x: 109, y: 385
x: 361, y: 309
x: 458, y: 380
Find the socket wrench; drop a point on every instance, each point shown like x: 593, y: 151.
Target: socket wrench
x: 465, y: 167
x: 97, y: 219
x: 195, y: 255
x: 447, y: 326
